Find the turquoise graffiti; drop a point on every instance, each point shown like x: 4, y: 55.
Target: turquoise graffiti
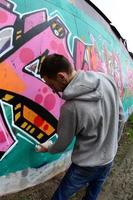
x: 29, y: 110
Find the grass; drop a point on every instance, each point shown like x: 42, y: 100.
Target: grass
x: 129, y: 127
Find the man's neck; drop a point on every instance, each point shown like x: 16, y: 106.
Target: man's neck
x: 72, y: 75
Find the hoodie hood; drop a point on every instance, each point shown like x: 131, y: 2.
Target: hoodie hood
x: 85, y: 86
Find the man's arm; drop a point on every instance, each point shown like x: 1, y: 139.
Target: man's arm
x: 65, y: 131
x: 66, y: 128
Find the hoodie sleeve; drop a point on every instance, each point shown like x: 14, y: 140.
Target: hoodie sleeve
x: 66, y: 128
x: 121, y: 120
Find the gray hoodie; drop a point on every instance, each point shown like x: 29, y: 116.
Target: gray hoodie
x: 93, y: 113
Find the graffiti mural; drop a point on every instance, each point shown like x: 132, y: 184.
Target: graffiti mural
x: 29, y: 110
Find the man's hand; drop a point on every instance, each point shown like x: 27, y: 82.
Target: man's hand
x: 44, y: 146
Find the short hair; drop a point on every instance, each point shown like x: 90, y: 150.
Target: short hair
x: 53, y: 64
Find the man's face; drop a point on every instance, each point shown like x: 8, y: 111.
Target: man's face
x: 56, y: 84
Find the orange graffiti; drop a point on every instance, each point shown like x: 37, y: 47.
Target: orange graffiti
x: 9, y: 80
x: 36, y: 120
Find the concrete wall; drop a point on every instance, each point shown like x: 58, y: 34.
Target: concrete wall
x: 29, y: 110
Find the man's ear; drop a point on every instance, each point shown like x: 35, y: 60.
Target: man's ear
x: 62, y: 77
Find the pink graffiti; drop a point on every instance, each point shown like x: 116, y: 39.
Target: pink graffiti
x: 46, y: 39
x: 49, y: 102
x: 79, y: 54
x: 86, y: 57
x: 38, y: 35
x: 34, y: 20
x: 26, y: 55
x: 130, y: 80
x: 30, y: 51
x: 6, y: 18
x: 6, y: 3
x: 114, y: 68
x: 5, y: 139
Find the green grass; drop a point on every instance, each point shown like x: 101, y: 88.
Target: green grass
x: 129, y: 127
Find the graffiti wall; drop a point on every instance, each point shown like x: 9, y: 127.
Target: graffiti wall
x: 29, y: 110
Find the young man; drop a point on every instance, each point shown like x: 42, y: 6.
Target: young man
x: 93, y: 113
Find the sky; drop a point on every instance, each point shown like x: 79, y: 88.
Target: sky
x: 120, y: 13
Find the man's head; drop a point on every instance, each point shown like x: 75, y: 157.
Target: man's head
x: 57, y: 72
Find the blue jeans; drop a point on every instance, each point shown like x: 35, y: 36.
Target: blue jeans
x: 78, y: 177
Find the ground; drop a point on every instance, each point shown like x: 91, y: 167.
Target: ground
x: 119, y: 185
